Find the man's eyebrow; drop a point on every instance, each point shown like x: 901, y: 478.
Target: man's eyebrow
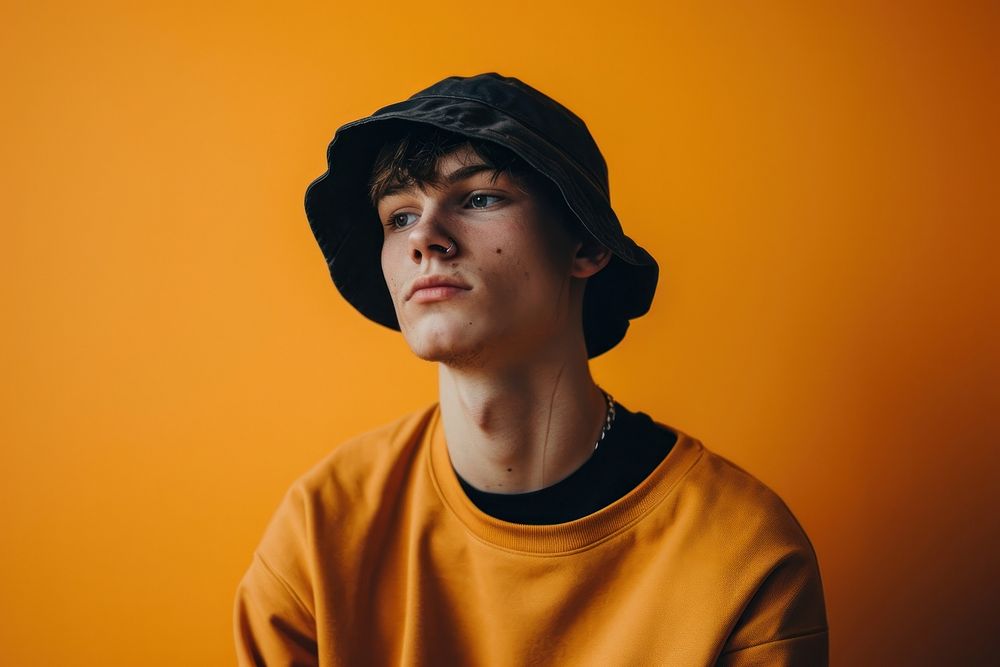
x: 465, y: 172
x: 456, y: 176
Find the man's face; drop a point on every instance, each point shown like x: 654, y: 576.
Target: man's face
x: 511, y: 267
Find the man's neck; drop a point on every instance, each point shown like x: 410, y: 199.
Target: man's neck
x: 520, y: 429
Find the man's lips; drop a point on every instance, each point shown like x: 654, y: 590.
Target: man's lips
x: 430, y: 288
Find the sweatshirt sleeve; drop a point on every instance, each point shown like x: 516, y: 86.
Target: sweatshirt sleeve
x: 784, y: 624
x: 273, y: 618
x: 272, y: 625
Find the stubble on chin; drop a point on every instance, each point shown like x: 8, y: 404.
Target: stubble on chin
x: 469, y: 359
x: 447, y: 352
x: 464, y: 357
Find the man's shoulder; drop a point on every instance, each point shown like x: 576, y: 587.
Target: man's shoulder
x: 369, y: 455
x: 345, y: 489
x: 741, y: 507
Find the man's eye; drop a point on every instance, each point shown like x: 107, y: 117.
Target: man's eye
x: 400, y: 220
x: 482, y: 201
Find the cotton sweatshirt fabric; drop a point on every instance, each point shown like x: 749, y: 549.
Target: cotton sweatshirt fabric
x: 376, y: 556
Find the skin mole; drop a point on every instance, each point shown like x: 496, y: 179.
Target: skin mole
x: 499, y: 251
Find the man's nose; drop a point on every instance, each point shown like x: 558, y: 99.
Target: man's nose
x: 430, y: 236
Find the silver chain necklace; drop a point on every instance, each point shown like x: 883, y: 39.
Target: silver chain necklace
x: 609, y: 417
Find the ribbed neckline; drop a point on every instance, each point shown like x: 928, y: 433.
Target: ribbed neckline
x: 560, y: 538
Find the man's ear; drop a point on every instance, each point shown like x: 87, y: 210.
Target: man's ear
x: 591, y: 256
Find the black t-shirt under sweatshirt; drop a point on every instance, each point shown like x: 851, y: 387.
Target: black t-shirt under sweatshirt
x: 631, y: 449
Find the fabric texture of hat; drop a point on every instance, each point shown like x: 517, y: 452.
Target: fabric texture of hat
x: 506, y: 111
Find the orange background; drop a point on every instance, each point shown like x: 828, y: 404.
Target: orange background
x: 817, y: 180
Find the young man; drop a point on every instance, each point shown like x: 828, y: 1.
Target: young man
x: 525, y: 518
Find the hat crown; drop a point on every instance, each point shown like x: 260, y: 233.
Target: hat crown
x: 535, y: 110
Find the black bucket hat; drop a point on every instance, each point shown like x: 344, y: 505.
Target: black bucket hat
x: 506, y: 111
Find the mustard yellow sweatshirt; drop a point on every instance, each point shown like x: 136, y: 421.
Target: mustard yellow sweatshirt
x: 377, y: 557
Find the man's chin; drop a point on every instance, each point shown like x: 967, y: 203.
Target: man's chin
x: 467, y: 359
x: 452, y: 350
